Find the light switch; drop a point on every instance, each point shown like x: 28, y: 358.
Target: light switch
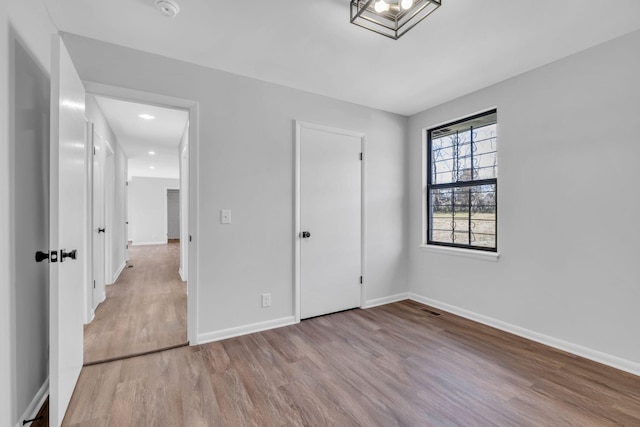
x: 225, y: 216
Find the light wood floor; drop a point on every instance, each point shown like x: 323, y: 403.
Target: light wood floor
x: 145, y: 310
x: 393, y: 365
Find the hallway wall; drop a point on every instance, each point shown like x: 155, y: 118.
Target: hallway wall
x: 183, y: 152
x: 148, y: 209
x: 245, y: 161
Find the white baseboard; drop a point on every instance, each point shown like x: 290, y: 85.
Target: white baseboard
x: 36, y: 403
x: 386, y: 300
x: 578, y: 350
x: 244, y: 330
x: 119, y: 272
x: 181, y: 274
x: 159, y: 242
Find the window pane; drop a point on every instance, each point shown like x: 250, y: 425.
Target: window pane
x: 465, y: 152
x: 450, y: 220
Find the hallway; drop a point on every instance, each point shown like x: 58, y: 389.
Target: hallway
x: 145, y: 310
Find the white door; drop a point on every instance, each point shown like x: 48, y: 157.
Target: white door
x: 330, y: 195
x: 99, y: 228
x: 109, y: 191
x: 68, y: 216
x: 173, y: 214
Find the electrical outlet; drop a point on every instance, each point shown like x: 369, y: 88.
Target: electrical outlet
x: 266, y: 300
x: 225, y: 216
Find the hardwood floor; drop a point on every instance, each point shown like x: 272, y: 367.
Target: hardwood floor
x: 393, y: 365
x: 145, y: 310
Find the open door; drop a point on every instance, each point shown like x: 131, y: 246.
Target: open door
x: 67, y: 235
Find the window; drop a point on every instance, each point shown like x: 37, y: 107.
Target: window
x: 461, y: 196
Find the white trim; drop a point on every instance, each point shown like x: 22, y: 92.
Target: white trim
x: 181, y: 273
x: 363, y: 220
x: 576, y: 349
x: 386, y: 300
x: 296, y: 230
x: 159, y: 242
x: 120, y: 270
x: 244, y: 330
x: 36, y: 403
x: 467, y: 253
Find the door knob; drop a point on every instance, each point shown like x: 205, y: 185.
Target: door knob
x: 100, y: 230
x: 306, y: 234
x: 41, y: 256
x: 71, y: 254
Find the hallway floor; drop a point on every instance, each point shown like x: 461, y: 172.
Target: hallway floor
x: 145, y: 310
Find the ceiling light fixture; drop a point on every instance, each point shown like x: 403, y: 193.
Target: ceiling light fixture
x: 152, y: 167
x: 146, y: 116
x: 152, y: 152
x: 168, y: 8
x: 391, y: 18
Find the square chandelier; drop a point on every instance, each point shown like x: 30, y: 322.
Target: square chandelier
x: 391, y: 18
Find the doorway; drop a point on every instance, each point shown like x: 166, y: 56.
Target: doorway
x: 173, y: 214
x: 144, y: 305
x: 329, y: 220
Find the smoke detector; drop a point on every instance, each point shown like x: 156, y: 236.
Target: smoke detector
x: 167, y: 8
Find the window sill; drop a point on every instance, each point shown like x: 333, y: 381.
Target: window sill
x: 467, y: 253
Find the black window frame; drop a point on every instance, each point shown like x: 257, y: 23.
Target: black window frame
x: 458, y: 184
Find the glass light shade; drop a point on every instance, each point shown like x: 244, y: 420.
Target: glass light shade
x: 396, y: 18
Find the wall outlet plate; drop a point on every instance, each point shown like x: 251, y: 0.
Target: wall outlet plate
x: 266, y: 300
x: 225, y: 216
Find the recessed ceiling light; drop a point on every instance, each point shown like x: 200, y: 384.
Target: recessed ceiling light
x: 152, y: 152
x: 152, y: 167
x: 146, y: 116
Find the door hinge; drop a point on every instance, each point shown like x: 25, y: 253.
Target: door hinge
x: 189, y: 237
x: 361, y: 280
x: 94, y: 150
x: 360, y: 156
x: 94, y: 284
x: 127, y: 246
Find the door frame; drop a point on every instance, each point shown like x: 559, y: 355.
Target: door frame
x: 299, y: 125
x: 192, y: 107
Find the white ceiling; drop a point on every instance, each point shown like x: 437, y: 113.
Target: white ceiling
x: 138, y: 136
x: 310, y: 44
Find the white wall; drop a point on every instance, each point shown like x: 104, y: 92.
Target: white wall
x: 118, y: 228
x: 245, y: 160
x: 29, y: 22
x: 148, y: 209
x: 7, y: 416
x: 568, y: 150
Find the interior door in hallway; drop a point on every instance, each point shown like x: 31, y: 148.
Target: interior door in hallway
x: 173, y: 214
x: 68, y: 215
x: 330, y: 198
x: 98, y: 229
